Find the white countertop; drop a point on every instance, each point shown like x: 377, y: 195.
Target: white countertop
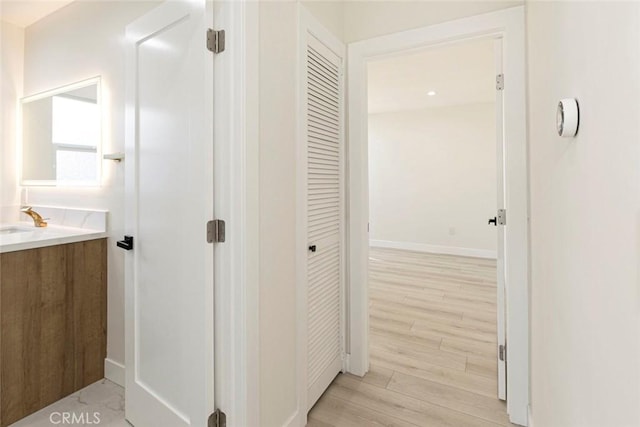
x: 30, y: 237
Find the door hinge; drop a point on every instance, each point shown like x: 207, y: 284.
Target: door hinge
x: 500, y: 82
x: 502, y: 352
x: 217, y: 419
x: 215, y: 40
x: 216, y: 231
x: 502, y: 217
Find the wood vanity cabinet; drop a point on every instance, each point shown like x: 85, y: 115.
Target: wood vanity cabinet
x: 53, y: 324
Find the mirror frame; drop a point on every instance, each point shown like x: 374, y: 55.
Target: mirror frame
x: 61, y: 89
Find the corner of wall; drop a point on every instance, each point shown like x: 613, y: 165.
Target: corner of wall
x: 114, y: 371
x: 330, y: 13
x: 294, y: 420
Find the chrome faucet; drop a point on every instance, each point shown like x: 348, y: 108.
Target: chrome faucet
x: 38, y: 221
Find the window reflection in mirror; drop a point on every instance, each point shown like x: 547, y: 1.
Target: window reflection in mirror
x: 61, y: 136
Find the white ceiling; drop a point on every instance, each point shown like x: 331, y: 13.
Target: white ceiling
x: 460, y: 74
x: 25, y: 12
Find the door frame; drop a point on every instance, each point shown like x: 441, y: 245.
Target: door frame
x: 309, y: 25
x: 236, y: 197
x: 509, y: 25
x: 500, y: 230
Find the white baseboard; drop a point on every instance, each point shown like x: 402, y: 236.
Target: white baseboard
x: 294, y: 420
x: 434, y: 249
x: 114, y: 371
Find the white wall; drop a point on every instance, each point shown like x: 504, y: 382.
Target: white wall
x: 367, y: 19
x: 11, y: 60
x: 83, y: 40
x: 359, y: 20
x: 330, y: 13
x: 277, y: 134
x: 432, y: 179
x: 585, y: 214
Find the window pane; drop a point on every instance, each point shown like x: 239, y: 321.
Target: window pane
x: 75, y: 122
x: 76, y: 166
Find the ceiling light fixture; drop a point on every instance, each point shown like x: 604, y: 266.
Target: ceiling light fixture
x: 431, y: 93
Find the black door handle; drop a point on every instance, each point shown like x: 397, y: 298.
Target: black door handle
x: 493, y: 221
x: 126, y: 244
x: 312, y: 248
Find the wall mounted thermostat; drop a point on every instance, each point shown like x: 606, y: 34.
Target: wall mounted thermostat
x: 568, y: 117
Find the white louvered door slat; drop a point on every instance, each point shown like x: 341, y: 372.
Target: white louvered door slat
x: 324, y: 130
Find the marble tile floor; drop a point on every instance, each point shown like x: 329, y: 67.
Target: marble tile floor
x: 100, y: 404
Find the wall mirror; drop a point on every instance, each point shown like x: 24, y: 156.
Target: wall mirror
x: 61, y: 136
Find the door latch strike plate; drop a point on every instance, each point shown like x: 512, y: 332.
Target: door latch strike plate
x: 502, y: 217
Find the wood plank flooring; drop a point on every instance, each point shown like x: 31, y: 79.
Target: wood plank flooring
x: 432, y: 347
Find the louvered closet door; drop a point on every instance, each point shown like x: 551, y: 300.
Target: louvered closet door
x: 324, y: 216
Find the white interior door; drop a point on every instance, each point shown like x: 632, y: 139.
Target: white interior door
x: 324, y: 141
x: 501, y: 276
x: 169, y: 199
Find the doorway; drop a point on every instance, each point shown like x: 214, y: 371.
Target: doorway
x: 435, y: 176
x: 507, y: 29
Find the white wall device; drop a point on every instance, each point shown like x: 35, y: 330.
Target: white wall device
x: 568, y: 117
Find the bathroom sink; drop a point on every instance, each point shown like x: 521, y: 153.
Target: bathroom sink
x: 19, y: 236
x: 12, y: 229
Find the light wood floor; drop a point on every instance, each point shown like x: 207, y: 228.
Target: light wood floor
x: 432, y: 347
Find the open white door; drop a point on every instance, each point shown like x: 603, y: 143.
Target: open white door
x: 500, y: 266
x: 169, y: 200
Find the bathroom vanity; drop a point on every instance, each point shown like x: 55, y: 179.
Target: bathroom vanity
x: 53, y: 314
